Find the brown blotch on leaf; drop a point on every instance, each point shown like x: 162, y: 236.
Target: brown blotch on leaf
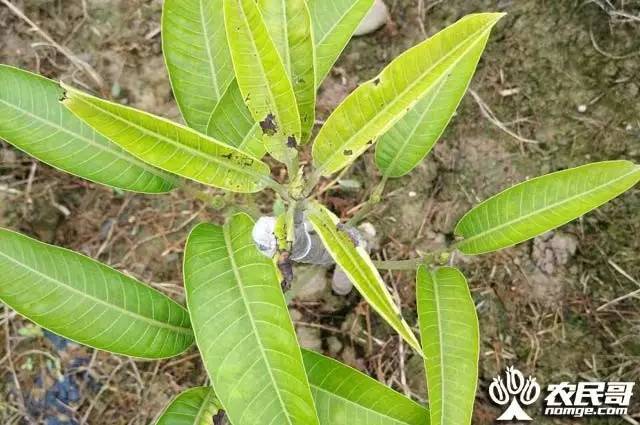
x: 268, y: 125
x: 347, y: 152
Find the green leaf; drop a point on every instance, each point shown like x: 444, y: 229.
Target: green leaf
x: 232, y: 122
x: 197, y: 56
x: 88, y: 302
x: 449, y: 332
x: 289, y: 26
x: 195, y: 406
x: 375, y: 106
x: 32, y: 119
x: 356, y: 263
x: 346, y: 396
x: 406, y: 144
x: 243, y: 329
x: 260, y: 72
x: 170, y: 146
x: 536, y: 206
x: 334, y: 22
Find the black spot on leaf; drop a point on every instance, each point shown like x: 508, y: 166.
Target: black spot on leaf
x: 268, y: 125
x: 370, y: 142
x: 227, y: 156
x: 219, y: 418
x: 63, y: 96
x: 347, y: 152
x: 291, y: 142
x: 376, y: 81
x: 286, y: 269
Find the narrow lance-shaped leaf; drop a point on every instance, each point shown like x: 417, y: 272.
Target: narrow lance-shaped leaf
x: 289, y: 25
x: 243, y: 329
x: 536, y: 206
x: 88, y: 302
x: 346, y: 396
x: 195, y: 406
x: 194, y: 43
x: 449, y: 333
x: 170, y: 146
x: 406, y: 144
x: 334, y: 22
x: 232, y: 122
x: 360, y: 270
x: 261, y: 74
x: 33, y: 120
x: 375, y: 106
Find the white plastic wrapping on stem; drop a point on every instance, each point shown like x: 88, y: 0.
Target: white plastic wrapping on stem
x: 307, y: 247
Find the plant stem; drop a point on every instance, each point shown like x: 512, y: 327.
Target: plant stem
x: 411, y: 264
x: 374, y: 199
x: 436, y: 257
x: 278, y: 188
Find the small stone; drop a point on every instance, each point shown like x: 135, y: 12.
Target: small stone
x: 334, y: 345
x: 582, y: 108
x: 309, y: 338
x: 310, y: 283
x: 412, y: 194
x: 296, y: 315
x: 340, y: 283
x: 370, y: 236
x: 377, y: 17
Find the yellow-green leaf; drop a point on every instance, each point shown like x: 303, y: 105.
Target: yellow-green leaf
x: 375, y: 106
x: 232, y: 122
x: 360, y: 270
x: 261, y: 74
x: 170, y: 146
x: 243, y: 329
x: 289, y: 26
x: 197, y: 56
x: 450, y: 339
x: 346, y: 396
x: 536, y: 206
x: 406, y: 144
x: 195, y: 406
x: 33, y: 120
x: 334, y: 22
x: 89, y: 302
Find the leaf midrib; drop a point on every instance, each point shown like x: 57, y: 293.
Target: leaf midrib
x: 549, y: 207
x: 211, y: 158
x: 137, y: 316
x: 436, y: 303
x: 408, y: 89
x: 212, y: 68
x: 229, y: 246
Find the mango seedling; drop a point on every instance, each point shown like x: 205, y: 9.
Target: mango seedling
x: 245, y: 76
